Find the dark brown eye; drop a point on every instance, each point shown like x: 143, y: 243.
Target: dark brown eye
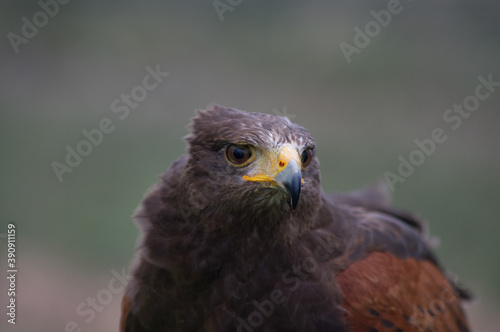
x: 306, y: 157
x: 238, y: 155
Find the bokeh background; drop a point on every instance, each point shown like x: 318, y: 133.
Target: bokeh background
x: 272, y: 57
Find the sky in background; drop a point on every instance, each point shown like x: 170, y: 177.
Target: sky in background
x: 95, y: 99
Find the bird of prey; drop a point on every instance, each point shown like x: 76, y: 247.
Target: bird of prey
x: 239, y: 236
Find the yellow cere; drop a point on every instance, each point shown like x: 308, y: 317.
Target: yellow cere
x: 270, y: 163
x: 287, y: 153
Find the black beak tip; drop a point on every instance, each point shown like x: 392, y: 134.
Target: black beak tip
x: 293, y: 188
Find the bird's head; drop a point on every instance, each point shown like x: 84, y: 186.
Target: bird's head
x: 252, y: 164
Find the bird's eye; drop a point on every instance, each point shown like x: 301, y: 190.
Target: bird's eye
x: 306, y: 157
x: 238, y: 155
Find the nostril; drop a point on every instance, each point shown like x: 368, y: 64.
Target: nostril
x: 282, y: 164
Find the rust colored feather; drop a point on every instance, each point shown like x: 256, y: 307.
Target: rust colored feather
x: 125, y: 312
x: 385, y: 293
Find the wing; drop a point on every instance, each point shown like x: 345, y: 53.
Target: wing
x: 386, y: 293
x: 391, y: 279
x: 376, y: 198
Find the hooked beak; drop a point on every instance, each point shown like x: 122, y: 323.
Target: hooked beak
x: 283, y: 170
x: 291, y: 179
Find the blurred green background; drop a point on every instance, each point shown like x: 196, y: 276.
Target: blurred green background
x: 270, y: 57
